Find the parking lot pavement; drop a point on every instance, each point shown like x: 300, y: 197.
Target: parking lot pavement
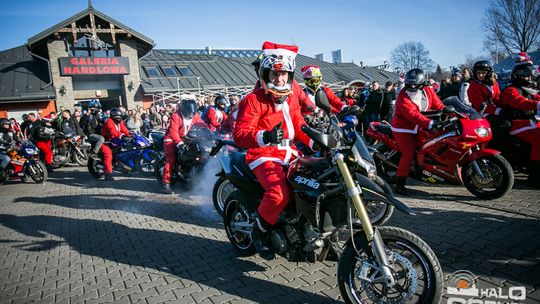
x: 79, y: 240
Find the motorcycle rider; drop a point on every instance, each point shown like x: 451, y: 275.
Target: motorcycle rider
x: 182, y: 120
x: 416, y: 98
x: 92, y: 125
x: 484, y: 88
x: 269, y: 120
x: 41, y: 135
x: 312, y: 78
x: 216, y: 115
x: 7, y: 139
x: 70, y: 125
x: 521, y: 104
x: 114, y: 128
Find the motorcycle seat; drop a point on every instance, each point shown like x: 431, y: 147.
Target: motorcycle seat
x: 239, y: 166
x: 384, y: 129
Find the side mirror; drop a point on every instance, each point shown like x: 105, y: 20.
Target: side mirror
x: 321, y: 100
x: 448, y: 110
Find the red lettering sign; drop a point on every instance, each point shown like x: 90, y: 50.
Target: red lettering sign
x: 94, y: 66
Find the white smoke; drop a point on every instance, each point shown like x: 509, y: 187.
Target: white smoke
x: 201, y: 191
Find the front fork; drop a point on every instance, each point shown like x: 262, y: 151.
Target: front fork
x: 475, y: 165
x: 372, y: 234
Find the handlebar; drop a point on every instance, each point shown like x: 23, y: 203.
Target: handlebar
x: 222, y: 142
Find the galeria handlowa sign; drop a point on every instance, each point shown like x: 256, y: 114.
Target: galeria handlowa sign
x: 94, y: 66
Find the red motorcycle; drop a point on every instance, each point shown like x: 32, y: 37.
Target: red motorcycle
x: 456, y: 154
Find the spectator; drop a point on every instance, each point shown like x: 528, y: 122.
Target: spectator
x: 466, y: 74
x: 454, y: 88
x: 16, y: 127
x: 387, y: 107
x: 346, y: 97
x: 373, y: 104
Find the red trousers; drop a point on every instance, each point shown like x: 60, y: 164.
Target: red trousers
x: 407, y: 146
x: 277, y: 191
x: 533, y: 138
x: 45, y: 147
x: 170, y: 160
x: 107, y: 158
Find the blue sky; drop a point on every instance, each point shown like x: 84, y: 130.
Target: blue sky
x: 364, y: 30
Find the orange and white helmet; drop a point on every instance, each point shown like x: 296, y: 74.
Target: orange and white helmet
x: 312, y: 77
x: 277, y: 57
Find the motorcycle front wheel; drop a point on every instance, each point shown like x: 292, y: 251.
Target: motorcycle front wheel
x: 222, y: 189
x: 416, y: 270
x: 238, y: 224
x: 80, y: 155
x: 95, y: 167
x: 37, y: 171
x: 498, y: 177
x: 146, y: 165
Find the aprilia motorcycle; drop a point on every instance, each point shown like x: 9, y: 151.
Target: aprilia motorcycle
x: 25, y: 163
x: 377, y: 264
x: 457, y: 154
x: 190, y: 160
x: 129, y: 154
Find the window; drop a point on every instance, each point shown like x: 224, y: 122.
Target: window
x: 185, y: 71
x: 91, y: 47
x: 152, y: 71
x: 169, y: 71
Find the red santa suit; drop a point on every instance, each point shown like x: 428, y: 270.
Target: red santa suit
x: 215, y: 118
x: 479, y: 92
x: 228, y: 125
x: 178, y: 128
x: 407, y: 119
x: 336, y: 104
x: 524, y: 125
x: 109, y: 131
x: 258, y: 113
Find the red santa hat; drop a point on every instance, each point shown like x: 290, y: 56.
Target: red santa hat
x: 310, y: 71
x: 279, y: 57
x: 523, y: 58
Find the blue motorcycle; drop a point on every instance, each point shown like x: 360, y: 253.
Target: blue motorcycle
x: 129, y: 154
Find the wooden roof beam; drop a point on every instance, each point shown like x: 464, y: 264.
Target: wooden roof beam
x: 88, y: 30
x: 74, y: 31
x: 93, y: 27
x: 113, y: 33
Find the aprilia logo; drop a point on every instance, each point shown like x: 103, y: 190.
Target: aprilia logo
x: 312, y: 183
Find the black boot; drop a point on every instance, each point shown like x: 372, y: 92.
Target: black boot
x: 49, y: 168
x: 259, y: 238
x: 534, y: 174
x: 400, y: 186
x: 167, y: 188
x: 109, y: 177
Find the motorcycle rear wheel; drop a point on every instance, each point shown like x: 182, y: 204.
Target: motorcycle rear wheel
x: 498, y: 176
x: 37, y: 171
x: 95, y: 168
x: 235, y: 212
x: 222, y: 189
x: 147, y: 166
x: 81, y: 159
x: 415, y: 267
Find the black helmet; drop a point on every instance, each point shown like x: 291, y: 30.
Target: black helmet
x: 257, y: 64
x: 116, y: 114
x: 221, y: 100
x: 188, y: 107
x: 3, y: 122
x: 520, y: 72
x: 415, y: 79
x: 483, y: 65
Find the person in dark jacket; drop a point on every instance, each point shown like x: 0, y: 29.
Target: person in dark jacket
x: 373, y: 104
x: 388, y: 102
x: 92, y: 123
x: 453, y: 88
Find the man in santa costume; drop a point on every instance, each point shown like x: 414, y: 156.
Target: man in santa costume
x: 182, y: 120
x: 216, y: 115
x: 114, y: 128
x: 521, y: 105
x: 312, y: 78
x: 268, y: 122
x: 415, y: 98
x: 484, y: 88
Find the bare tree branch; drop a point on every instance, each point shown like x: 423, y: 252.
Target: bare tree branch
x: 410, y: 55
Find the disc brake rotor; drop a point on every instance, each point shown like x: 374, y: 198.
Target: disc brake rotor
x: 377, y: 293
x: 491, y: 176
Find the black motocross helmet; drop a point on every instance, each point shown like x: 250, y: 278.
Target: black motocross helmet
x: 188, y: 107
x: 221, y: 101
x: 415, y: 80
x: 116, y: 114
x: 522, y: 71
x: 483, y: 65
x: 3, y: 123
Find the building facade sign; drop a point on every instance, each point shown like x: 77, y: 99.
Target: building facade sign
x: 94, y: 66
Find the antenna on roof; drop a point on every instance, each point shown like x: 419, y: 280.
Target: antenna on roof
x: 90, y: 4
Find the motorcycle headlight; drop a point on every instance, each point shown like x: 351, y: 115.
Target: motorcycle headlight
x: 30, y: 151
x: 482, y: 132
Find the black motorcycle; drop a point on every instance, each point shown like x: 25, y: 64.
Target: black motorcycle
x: 190, y: 160
x: 377, y: 264
x: 69, y: 148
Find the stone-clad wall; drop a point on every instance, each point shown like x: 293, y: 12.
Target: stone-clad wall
x: 133, y: 95
x: 57, y: 49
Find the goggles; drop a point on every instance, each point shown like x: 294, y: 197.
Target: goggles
x: 312, y: 82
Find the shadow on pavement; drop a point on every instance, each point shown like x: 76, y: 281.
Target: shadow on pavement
x: 488, y: 245
x: 204, y: 261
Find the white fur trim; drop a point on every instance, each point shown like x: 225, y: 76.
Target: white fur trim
x: 310, y: 144
x: 262, y: 160
x: 399, y: 130
x: 260, y: 140
x: 532, y: 126
x: 283, y: 52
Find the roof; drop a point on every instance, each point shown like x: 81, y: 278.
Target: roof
x: 67, y: 23
x: 24, y: 77
x: 230, y: 68
x: 508, y: 64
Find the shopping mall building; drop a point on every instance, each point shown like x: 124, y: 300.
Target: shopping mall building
x: 92, y: 56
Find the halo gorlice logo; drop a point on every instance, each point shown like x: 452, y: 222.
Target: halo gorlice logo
x: 463, y: 289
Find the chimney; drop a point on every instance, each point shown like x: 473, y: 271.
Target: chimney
x: 209, y: 50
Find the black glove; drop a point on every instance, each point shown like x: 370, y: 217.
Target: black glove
x: 274, y: 136
x: 438, y: 125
